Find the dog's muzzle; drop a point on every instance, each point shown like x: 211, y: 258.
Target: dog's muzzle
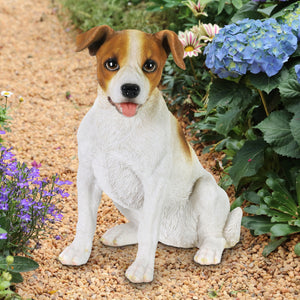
x: 129, y: 91
x: 128, y: 109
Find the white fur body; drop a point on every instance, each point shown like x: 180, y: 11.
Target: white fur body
x: 114, y: 153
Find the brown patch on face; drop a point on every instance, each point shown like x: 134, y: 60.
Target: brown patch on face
x: 117, y: 48
x: 183, y: 142
x: 152, y: 49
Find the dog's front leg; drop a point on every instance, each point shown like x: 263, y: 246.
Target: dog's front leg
x: 89, y: 197
x: 148, y: 233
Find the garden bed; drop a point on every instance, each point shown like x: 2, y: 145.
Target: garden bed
x: 38, y: 61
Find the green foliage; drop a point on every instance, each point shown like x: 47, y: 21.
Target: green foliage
x: 119, y: 14
x: 10, y: 269
x: 257, y: 145
x: 277, y: 131
x: 276, y: 211
x: 255, y: 121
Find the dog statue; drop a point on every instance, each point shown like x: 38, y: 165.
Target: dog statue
x: 133, y: 148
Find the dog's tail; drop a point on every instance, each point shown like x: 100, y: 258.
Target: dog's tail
x: 232, y: 227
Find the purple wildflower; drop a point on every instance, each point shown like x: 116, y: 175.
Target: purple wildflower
x: 3, y: 236
x: 26, y: 200
x: 4, y: 206
x: 25, y: 217
x: 35, y: 164
x: 60, y: 182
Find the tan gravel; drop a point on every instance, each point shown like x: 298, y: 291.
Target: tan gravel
x: 37, y: 61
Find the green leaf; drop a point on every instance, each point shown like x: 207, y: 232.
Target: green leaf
x: 223, y: 92
x: 277, y: 201
x: 267, y: 11
x: 283, y: 230
x: 295, y: 127
x: 248, y: 160
x: 5, y: 293
x: 286, y: 10
x: 297, y: 249
x: 265, y: 83
x: 237, y: 203
x: 237, y: 4
x: 16, y: 277
x: 225, y: 181
x: 280, y: 217
x: 228, y: 120
x: 277, y: 132
x: 273, y: 245
x: 3, y: 263
x: 252, y: 197
x: 259, y: 224
x: 221, y: 6
x: 249, y: 10
x: 20, y: 264
x: 278, y: 185
x: 252, y: 209
x: 290, y: 88
x: 4, y: 223
x: 294, y: 222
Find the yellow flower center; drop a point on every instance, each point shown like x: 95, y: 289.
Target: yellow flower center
x: 189, y: 48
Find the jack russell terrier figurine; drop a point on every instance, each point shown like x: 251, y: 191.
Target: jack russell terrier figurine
x: 133, y: 148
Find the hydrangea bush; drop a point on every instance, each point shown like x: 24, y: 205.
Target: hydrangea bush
x: 250, y: 110
x: 250, y: 46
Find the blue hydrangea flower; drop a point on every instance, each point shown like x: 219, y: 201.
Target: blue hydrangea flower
x: 292, y: 19
x: 250, y: 45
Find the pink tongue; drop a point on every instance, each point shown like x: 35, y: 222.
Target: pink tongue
x: 128, y: 109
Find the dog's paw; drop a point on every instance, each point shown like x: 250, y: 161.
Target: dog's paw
x: 75, y: 255
x: 210, y: 252
x: 138, y: 273
x: 120, y: 235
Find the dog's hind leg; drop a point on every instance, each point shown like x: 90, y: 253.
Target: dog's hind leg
x: 89, y: 197
x: 212, y: 206
x: 123, y: 234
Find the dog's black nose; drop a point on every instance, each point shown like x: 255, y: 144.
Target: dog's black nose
x: 130, y: 90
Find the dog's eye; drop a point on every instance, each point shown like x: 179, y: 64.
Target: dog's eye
x: 111, y: 65
x: 149, y: 66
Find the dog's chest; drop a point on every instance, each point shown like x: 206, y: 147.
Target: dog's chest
x: 118, y: 179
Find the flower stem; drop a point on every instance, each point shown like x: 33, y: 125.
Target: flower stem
x: 263, y: 101
x: 6, y: 103
x: 193, y: 69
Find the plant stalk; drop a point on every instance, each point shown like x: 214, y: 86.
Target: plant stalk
x: 193, y: 69
x: 263, y: 101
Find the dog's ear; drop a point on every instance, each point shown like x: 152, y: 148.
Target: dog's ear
x: 171, y: 43
x: 93, y: 38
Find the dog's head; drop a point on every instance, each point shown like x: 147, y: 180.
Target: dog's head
x: 130, y: 62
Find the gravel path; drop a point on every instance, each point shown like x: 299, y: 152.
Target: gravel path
x: 37, y: 61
